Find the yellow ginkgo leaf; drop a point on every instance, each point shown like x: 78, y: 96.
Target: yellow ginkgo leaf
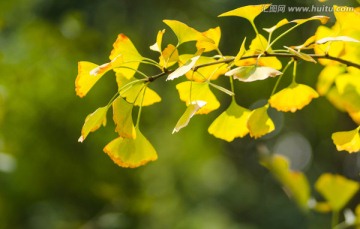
x: 332, y: 48
x: 211, y: 72
x: 252, y: 73
x: 131, y: 153
x: 190, y: 111
x: 186, y: 67
x: 84, y: 80
x: 241, y: 51
x: 231, y: 124
x: 278, y: 25
x: 93, y: 122
x: 249, y: 12
x: 348, y: 19
x: 133, y: 90
x: 308, y: 44
x: 295, y: 183
x: 157, y: 46
x: 293, y: 98
x: 122, y: 115
x: 183, y: 32
x: 210, y: 41
x: 259, y: 122
x: 347, y: 140
x: 348, y: 86
x: 322, y: 19
x: 192, y: 91
x: 336, y: 189
x: 327, y: 77
x: 169, y: 56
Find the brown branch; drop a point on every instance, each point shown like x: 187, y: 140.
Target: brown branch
x: 280, y: 55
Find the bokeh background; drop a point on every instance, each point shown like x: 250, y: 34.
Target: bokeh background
x: 49, y: 180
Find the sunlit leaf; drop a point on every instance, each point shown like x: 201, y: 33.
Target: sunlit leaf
x: 84, y: 80
x: 203, y: 74
x: 347, y: 140
x: 301, y: 55
x: 293, y: 98
x: 295, y: 183
x: 250, y: 12
x: 338, y: 38
x: 169, y: 56
x: 210, y: 41
x: 278, y: 25
x: 122, y: 115
x: 308, y: 44
x: 132, y: 91
x: 258, y: 44
x: 336, y: 189
x: 333, y: 49
x: 348, y: 86
x: 157, y: 46
x: 327, y: 78
x: 259, y: 122
x: 190, y: 111
x: 183, y: 32
x: 355, y: 116
x: 241, y: 51
x: 184, y: 68
x: 192, y: 91
x: 349, y: 19
x: 93, y: 122
x: 231, y: 124
x: 322, y: 19
x: 131, y: 153
x: 252, y: 73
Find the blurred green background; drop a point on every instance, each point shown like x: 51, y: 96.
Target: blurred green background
x: 49, y: 180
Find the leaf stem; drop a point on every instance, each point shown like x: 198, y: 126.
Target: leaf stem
x: 280, y: 77
x: 334, y: 219
x: 140, y: 107
x: 294, y: 72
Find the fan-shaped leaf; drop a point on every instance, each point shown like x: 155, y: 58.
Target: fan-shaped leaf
x: 157, y: 46
x: 210, y: 41
x: 252, y: 73
x: 259, y: 122
x: 336, y: 189
x: 278, y: 25
x: 184, y: 69
x: 122, y: 115
x: 129, y: 152
x: 93, y: 122
x: 347, y: 140
x: 190, y: 111
x: 249, y: 12
x: 169, y: 56
x: 183, y: 32
x: 231, y: 123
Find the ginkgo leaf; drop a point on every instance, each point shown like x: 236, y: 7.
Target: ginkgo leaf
x: 355, y: 116
x: 132, y: 91
x: 322, y: 19
x: 293, y: 98
x: 131, y: 153
x: 249, y: 12
x: 327, y: 77
x: 183, y: 32
x: 308, y: 44
x: 252, y: 73
x: 347, y: 19
x: 258, y: 44
x: 210, y: 41
x: 301, y: 55
x: 211, y: 72
x: 157, y: 46
x: 231, y: 124
x: 84, y: 80
x: 184, y: 68
x: 122, y: 115
x: 190, y: 111
x: 278, y: 25
x: 192, y: 91
x: 336, y: 189
x: 259, y: 122
x: 169, y: 56
x: 93, y: 122
x: 241, y: 51
x: 338, y: 38
x: 347, y: 140
x: 348, y: 86
x: 295, y: 183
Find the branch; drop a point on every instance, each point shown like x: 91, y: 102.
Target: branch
x: 281, y: 55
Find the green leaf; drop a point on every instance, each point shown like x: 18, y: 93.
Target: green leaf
x: 336, y: 189
x: 183, y: 32
x: 259, y: 122
x: 122, y: 115
x: 132, y: 89
x: 249, y: 12
x: 93, y: 122
x: 129, y: 152
x: 231, y: 123
x: 185, y: 68
x: 190, y: 111
x: 192, y: 91
x: 252, y: 73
